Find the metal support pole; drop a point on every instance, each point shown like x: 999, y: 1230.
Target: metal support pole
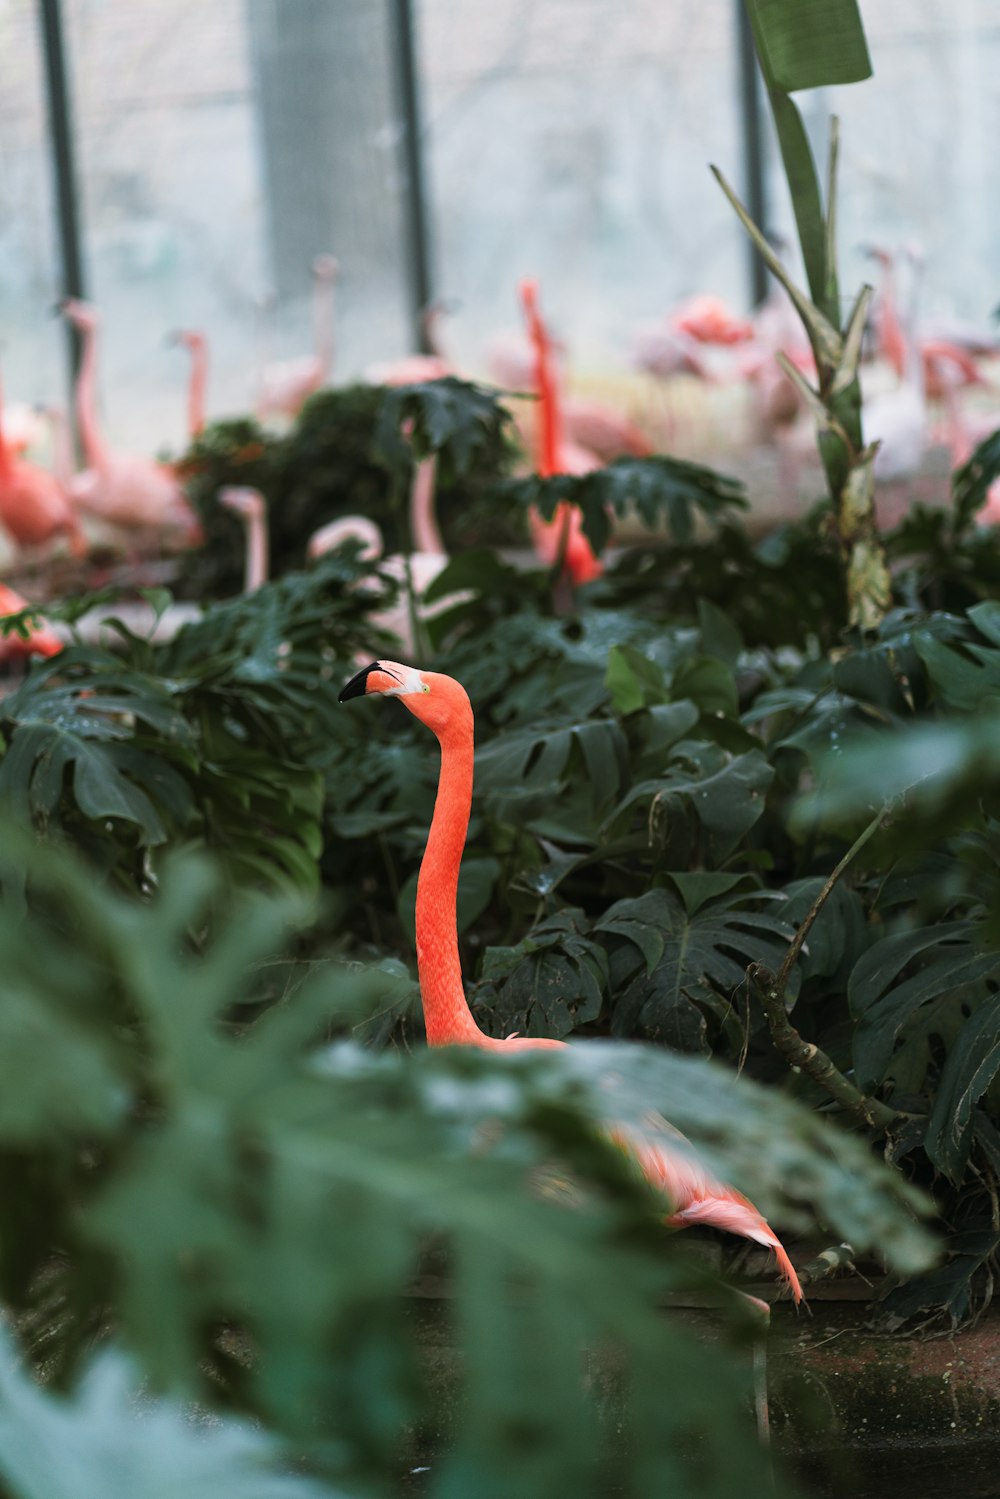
x: 753, y: 148
x: 414, y: 191
x: 61, y: 138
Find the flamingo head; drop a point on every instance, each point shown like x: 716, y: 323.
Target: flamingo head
x: 885, y: 257
x: 347, y: 528
x: 83, y: 315
x: 247, y: 503
x: 189, y: 338
x: 438, y: 701
x: 325, y: 267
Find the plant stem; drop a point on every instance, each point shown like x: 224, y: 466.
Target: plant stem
x: 799, y: 1053
x: 804, y: 1056
x: 797, y: 942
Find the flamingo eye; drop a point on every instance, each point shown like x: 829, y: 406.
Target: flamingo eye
x: 425, y: 687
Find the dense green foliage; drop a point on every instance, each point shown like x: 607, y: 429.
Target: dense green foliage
x: 209, y: 1149
x: 346, y: 454
x: 246, y: 1201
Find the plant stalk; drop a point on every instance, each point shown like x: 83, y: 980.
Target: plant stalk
x: 799, y: 1053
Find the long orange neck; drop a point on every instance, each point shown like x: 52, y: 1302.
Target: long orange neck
x: 549, y: 415
x: 447, y: 1016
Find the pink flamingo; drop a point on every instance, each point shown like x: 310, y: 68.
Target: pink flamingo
x: 40, y: 642
x: 286, y: 385
x: 126, y: 490
x: 443, y: 706
x: 21, y: 427
x: 564, y: 532
x: 592, y: 425
x: 34, y: 505
x: 708, y: 320
x: 663, y: 351
x: 197, y: 346
x: 946, y: 362
x: 424, y: 569
x: 249, y: 505
x: 417, y: 369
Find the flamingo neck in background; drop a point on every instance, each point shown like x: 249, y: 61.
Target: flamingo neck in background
x: 424, y: 532
x: 257, y: 562
x: 323, y: 324
x: 197, y: 388
x: 86, y: 401
x: 447, y: 1016
x: 549, y: 416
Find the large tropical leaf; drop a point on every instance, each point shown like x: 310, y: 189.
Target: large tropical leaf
x: 111, y: 1437
x: 809, y: 43
x: 656, y: 489
x: 551, y: 983
x: 911, y: 994
x: 973, y: 1063
x: 461, y: 422
x: 701, y: 785
x: 696, y: 944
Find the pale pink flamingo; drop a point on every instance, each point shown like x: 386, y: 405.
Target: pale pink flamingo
x: 22, y: 428
x: 963, y: 432
x: 693, y: 1193
x: 661, y: 350
x: 418, y: 369
x: 708, y: 320
x: 249, y: 505
x: 197, y: 346
x: 41, y: 641
x: 946, y: 362
x: 126, y: 490
x: 425, y: 566
x: 286, y: 385
x: 897, y: 419
x: 347, y: 528
x: 34, y: 505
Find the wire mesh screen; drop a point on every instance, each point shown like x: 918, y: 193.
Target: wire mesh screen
x: 31, y: 351
x: 569, y: 140
x: 919, y: 160
x: 220, y: 149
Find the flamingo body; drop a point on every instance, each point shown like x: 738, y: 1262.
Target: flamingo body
x: 286, y: 384
x: 40, y: 642
x: 34, y: 506
x: 126, y: 490
x: 708, y: 320
x: 442, y: 704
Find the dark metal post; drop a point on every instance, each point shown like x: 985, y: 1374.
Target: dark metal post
x: 61, y: 136
x: 753, y: 148
x: 414, y: 192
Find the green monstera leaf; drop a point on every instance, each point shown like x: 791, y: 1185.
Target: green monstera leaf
x: 656, y: 489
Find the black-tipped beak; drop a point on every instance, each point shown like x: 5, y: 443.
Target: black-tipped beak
x: 356, y: 686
